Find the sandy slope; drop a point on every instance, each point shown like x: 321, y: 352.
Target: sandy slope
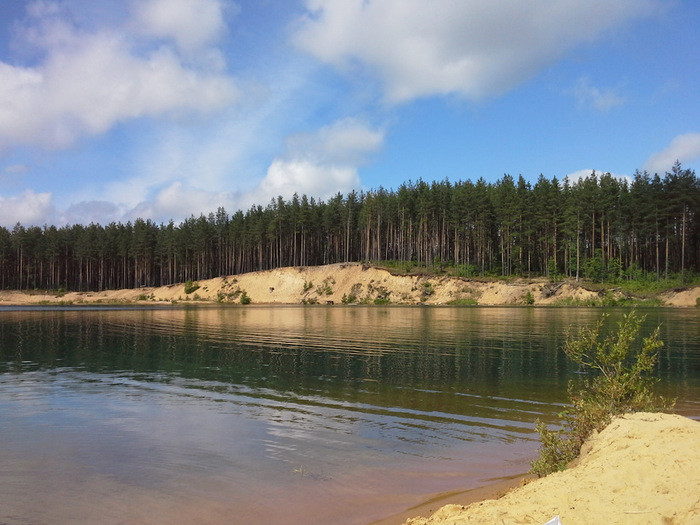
x: 642, y: 469
x: 328, y: 284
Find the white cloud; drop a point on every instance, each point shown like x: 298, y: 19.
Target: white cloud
x: 86, y: 212
x: 586, y: 94
x: 179, y: 201
x: 192, y: 24
x: 470, y: 48
x: 286, y: 177
x: 320, y: 164
x: 576, y: 176
x: 86, y: 82
x: 683, y: 148
x: 28, y: 208
x: 347, y: 141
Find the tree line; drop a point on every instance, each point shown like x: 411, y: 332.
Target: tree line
x: 600, y: 227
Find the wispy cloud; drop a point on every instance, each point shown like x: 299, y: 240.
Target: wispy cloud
x: 683, y: 148
x: 601, y: 99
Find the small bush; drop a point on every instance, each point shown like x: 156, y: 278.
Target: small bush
x: 349, y: 299
x: 427, y: 290
x: 621, y: 366
x: 191, y: 286
x: 529, y: 298
x: 325, y: 288
x: 244, y: 298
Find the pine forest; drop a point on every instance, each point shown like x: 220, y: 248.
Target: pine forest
x: 600, y: 227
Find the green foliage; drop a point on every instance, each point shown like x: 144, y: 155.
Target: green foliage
x: 466, y: 270
x: 191, y: 286
x: 490, y: 229
x: 594, y: 268
x: 467, y: 301
x: 307, y: 286
x: 349, y: 299
x: 245, y: 299
x: 326, y: 287
x: 426, y: 291
x: 529, y: 298
x: 382, y: 300
x: 620, y: 368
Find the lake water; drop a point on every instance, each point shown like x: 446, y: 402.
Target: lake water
x: 289, y: 415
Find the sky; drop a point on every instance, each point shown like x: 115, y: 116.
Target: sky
x: 112, y: 110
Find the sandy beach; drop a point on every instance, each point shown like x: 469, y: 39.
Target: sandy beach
x: 642, y: 469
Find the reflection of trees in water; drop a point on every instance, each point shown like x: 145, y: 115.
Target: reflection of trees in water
x: 425, y: 355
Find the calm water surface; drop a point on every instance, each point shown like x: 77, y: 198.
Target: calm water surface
x: 288, y: 415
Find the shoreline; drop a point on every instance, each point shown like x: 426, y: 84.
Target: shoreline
x: 642, y: 468
x: 493, y: 490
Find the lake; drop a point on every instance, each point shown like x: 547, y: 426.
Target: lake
x: 284, y: 414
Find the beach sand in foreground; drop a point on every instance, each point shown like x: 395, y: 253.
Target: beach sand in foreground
x: 642, y: 469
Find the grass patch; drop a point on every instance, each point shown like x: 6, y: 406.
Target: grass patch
x: 466, y: 301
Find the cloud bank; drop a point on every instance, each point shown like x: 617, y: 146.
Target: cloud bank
x: 469, y: 48
x: 85, y: 82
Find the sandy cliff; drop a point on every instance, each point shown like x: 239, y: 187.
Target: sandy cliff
x: 352, y: 281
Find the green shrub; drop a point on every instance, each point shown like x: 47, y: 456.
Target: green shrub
x: 529, y: 298
x: 621, y: 367
x: 427, y: 290
x: 191, y: 286
x: 244, y: 298
x: 349, y: 299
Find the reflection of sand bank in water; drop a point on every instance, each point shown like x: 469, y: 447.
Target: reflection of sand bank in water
x: 642, y: 469
x: 329, y: 284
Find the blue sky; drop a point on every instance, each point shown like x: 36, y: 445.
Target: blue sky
x: 116, y: 109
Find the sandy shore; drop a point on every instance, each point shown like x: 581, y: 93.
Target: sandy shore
x: 642, y: 469
x: 353, y: 281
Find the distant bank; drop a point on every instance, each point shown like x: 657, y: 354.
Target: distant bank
x: 355, y: 283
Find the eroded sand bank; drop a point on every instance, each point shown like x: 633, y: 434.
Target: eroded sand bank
x: 353, y: 281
